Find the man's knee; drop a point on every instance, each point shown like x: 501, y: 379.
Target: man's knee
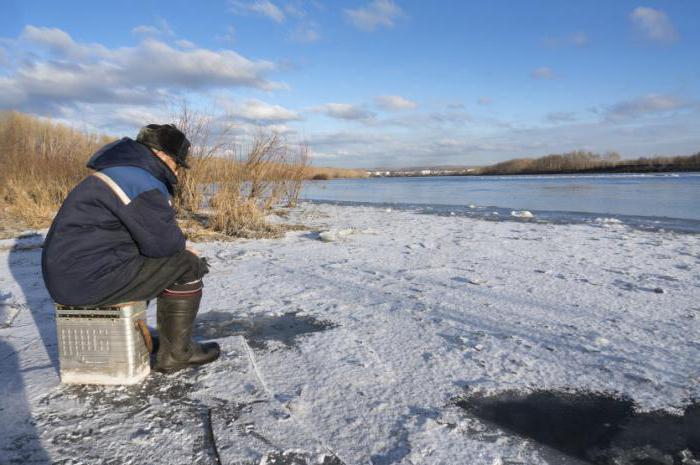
x: 194, y: 268
x: 189, y: 282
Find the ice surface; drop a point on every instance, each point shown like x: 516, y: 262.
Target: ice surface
x: 355, y: 351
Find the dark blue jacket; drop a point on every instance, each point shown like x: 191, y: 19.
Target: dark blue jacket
x: 109, y: 224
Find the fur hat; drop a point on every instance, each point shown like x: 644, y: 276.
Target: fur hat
x: 168, y: 138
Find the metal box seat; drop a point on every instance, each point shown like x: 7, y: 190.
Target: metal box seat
x: 102, y: 345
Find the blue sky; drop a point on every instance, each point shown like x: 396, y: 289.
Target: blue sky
x: 370, y: 83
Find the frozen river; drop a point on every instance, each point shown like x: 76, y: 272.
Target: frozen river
x: 653, y: 200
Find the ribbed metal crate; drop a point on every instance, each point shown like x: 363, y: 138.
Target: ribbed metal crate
x: 102, y: 345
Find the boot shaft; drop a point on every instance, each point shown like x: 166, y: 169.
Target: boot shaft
x: 176, y: 312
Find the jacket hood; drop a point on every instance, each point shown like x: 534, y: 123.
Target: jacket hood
x: 128, y: 152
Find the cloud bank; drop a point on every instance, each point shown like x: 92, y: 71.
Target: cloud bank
x: 394, y: 103
x: 60, y: 70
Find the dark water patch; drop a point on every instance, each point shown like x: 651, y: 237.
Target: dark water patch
x: 596, y: 427
x: 259, y: 330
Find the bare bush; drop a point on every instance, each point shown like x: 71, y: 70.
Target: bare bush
x: 210, y: 137
x: 230, y: 188
x: 298, y: 169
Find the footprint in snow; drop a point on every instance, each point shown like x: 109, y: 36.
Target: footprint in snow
x: 474, y: 281
x: 227, y: 254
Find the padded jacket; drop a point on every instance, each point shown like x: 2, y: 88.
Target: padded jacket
x: 110, y: 224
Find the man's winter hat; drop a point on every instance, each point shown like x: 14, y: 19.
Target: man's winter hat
x: 168, y: 138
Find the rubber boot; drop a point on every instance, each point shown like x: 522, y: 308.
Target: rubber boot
x: 176, y: 311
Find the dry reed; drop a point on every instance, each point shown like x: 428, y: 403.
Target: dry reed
x: 229, y: 190
x: 42, y: 161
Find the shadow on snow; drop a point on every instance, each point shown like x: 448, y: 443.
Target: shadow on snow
x: 259, y: 330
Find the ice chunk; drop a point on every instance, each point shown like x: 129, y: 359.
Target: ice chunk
x: 522, y: 214
x: 333, y: 235
x: 607, y: 221
x: 328, y: 236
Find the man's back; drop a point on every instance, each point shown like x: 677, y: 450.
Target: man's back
x: 109, y: 224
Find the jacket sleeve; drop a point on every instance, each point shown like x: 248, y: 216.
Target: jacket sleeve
x: 150, y: 220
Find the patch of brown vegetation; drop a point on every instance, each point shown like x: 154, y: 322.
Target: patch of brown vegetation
x: 227, y: 193
x: 42, y: 161
x: 325, y: 173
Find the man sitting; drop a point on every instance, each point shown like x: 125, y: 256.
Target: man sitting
x: 115, y: 240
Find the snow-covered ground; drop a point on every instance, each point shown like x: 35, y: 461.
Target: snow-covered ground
x: 352, y: 346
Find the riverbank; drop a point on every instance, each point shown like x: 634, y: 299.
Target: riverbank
x: 577, y: 162
x: 355, y: 342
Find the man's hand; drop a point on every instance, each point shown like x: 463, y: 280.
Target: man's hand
x: 203, y: 266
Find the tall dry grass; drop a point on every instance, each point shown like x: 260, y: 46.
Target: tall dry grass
x: 325, y: 173
x: 41, y: 162
x: 229, y: 189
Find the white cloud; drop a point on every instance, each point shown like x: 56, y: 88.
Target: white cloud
x: 345, y: 111
x: 423, y: 144
x: 145, y: 30
x: 162, y: 28
x: 561, y: 117
x: 256, y: 111
x: 11, y: 96
x: 394, y: 103
x: 61, y: 43
x: 543, y: 72
x: 318, y: 155
x: 375, y: 14
x: 53, y: 37
x: 577, y: 39
x: 146, y: 73
x: 262, y: 7
x: 449, y: 117
x: 646, y: 105
x: 4, y: 59
x: 115, y: 119
x: 229, y: 36
x: 185, y: 44
x: 484, y: 101
x: 654, y: 24
x: 306, y: 32
x: 434, y: 120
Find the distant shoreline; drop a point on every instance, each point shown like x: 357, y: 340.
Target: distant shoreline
x: 577, y: 162
x: 620, y: 170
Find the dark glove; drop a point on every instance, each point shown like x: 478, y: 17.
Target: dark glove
x: 203, y: 266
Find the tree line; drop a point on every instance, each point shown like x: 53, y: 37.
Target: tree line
x: 588, y: 162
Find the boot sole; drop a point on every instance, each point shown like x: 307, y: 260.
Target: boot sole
x: 168, y: 370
